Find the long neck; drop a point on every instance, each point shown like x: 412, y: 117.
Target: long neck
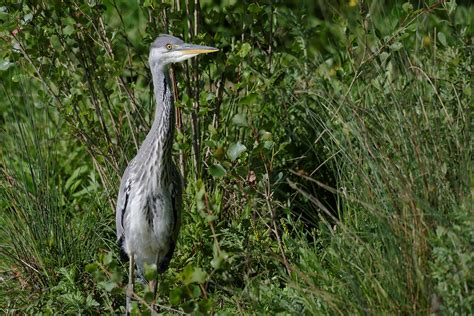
x: 163, y: 125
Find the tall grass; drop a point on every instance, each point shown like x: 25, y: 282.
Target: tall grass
x: 399, y: 132
x: 326, y: 151
x: 47, y: 223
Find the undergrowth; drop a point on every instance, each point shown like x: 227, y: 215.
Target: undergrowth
x: 326, y: 153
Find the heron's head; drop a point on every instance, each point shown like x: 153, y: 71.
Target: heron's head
x: 167, y: 49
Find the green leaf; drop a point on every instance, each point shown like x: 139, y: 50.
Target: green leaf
x: 149, y: 297
x: 5, y: 64
x: 91, y: 267
x: 195, y: 291
x: 268, y: 144
x: 90, y: 302
x: 68, y: 30
x: 216, y: 170
x: 150, y: 272
x: 407, y: 7
x: 108, y: 286
x: 192, y: 274
x: 240, y: 120
x: 175, y: 295
x: 264, y: 135
x: 76, y: 174
x: 189, y: 307
x: 108, y: 258
x: 244, y: 50
x: 149, y: 4
x: 451, y: 6
x: 210, y: 218
x: 199, y: 276
x: 384, y: 56
x: 249, y: 99
x: 396, y: 46
x: 235, y: 150
x: 216, y: 262
x: 442, y: 39
x: 254, y: 8
x: 27, y: 18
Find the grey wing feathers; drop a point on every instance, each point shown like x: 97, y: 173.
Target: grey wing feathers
x: 122, y: 202
x: 177, y: 200
x: 177, y: 196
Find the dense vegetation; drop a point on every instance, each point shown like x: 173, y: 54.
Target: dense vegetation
x: 326, y: 150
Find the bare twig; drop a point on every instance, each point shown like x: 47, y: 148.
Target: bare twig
x: 192, y: 31
x: 178, y: 112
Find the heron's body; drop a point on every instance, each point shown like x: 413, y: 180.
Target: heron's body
x: 149, y: 203
x: 150, y: 196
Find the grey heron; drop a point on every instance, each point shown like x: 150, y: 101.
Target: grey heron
x: 150, y: 195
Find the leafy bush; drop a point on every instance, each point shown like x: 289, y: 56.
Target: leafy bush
x: 326, y: 151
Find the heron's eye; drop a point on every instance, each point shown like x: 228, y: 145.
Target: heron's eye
x: 169, y: 46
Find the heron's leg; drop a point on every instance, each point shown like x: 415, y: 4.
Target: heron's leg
x: 153, y: 288
x: 130, y: 287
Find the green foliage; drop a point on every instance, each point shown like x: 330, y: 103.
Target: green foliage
x: 46, y: 232
x: 453, y: 257
x: 326, y: 152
